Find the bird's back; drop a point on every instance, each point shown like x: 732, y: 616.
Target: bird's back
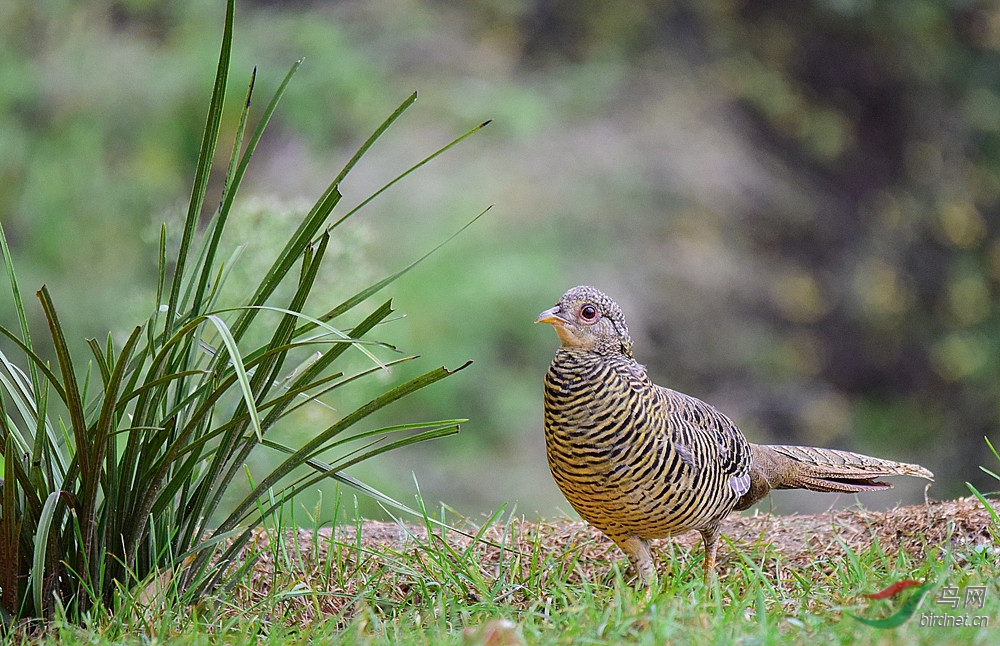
x: 635, y: 458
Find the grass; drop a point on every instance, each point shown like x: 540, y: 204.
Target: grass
x: 507, y: 581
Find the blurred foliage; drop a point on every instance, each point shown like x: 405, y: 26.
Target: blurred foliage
x: 796, y: 202
x: 879, y: 311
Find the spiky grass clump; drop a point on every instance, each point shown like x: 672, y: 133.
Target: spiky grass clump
x: 113, y: 478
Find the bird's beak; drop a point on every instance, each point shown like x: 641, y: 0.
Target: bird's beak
x: 551, y: 316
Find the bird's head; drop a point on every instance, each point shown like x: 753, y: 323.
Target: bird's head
x: 586, y: 318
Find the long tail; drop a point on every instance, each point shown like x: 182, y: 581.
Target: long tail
x: 777, y: 466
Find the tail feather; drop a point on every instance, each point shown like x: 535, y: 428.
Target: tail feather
x: 778, y: 466
x: 834, y: 464
x: 835, y: 485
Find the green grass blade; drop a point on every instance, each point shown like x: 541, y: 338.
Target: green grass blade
x: 236, y: 174
x: 15, y: 473
x: 277, y: 408
x: 22, y: 319
x: 359, y: 297
x: 263, y: 379
x: 10, y: 530
x: 379, y: 448
x: 43, y: 536
x: 241, y: 376
x: 995, y: 455
x: 222, y: 215
x: 19, y: 392
x: 101, y: 359
x: 161, y: 281
x: 398, y: 112
x: 329, y: 329
x: 311, y: 224
x: 366, y: 452
x: 268, y: 370
x: 46, y: 453
x: 335, y: 472
x: 989, y: 508
x: 204, y: 169
x: 36, y: 361
x: 410, y: 170
x: 233, y: 448
x: 385, y: 430
x: 397, y: 428
x: 313, y: 446
x: 101, y: 433
x: 71, y: 391
x: 288, y: 257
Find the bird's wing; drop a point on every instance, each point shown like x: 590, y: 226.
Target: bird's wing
x: 704, y: 437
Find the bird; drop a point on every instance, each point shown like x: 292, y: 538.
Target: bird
x: 640, y: 461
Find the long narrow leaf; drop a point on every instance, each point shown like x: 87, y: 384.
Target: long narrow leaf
x: 374, y: 449
x: 307, y: 230
x: 343, y: 336
x: 43, y: 536
x: 71, y: 393
x: 288, y: 257
x: 19, y: 478
x: 205, y: 158
x: 234, y: 448
x: 398, y: 112
x: 36, y: 361
x: 266, y: 375
x: 19, y: 391
x: 222, y: 215
x: 236, y: 176
x: 101, y: 433
x: 161, y: 281
x: 22, y: 318
x: 102, y: 362
x: 410, y: 170
x: 46, y: 453
x: 310, y: 448
x: 241, y: 375
x: 210, y: 494
x: 380, y: 285
x: 10, y: 531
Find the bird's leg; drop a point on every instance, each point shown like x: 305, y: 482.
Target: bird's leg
x: 710, y: 539
x: 640, y: 557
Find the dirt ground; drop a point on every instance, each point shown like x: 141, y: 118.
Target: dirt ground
x: 788, y: 542
x: 962, y: 524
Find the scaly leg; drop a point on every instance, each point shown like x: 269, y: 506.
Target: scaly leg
x: 640, y: 557
x: 710, y: 538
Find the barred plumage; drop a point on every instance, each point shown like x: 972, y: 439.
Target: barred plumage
x: 639, y: 461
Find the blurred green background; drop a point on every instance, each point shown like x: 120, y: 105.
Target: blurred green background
x: 794, y: 202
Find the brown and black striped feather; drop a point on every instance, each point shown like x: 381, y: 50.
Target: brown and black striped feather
x: 636, y: 459
x: 639, y: 461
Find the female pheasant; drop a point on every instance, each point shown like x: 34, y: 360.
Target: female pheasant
x: 639, y: 461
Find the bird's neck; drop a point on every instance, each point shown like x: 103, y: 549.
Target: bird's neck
x: 584, y: 364
x: 582, y: 389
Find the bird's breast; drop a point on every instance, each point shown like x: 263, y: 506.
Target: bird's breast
x: 597, y: 426
x: 628, y: 457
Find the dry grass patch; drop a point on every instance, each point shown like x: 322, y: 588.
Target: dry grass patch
x: 317, y: 574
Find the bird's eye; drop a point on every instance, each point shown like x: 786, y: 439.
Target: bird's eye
x: 588, y: 313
